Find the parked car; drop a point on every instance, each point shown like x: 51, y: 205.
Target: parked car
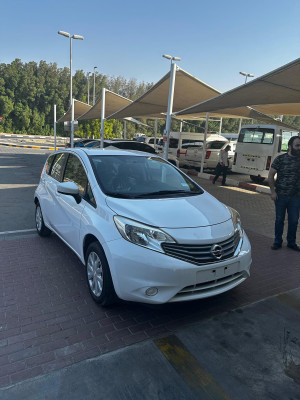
x: 193, y: 154
x: 149, y: 140
x: 83, y: 143
x: 133, y: 145
x: 143, y: 229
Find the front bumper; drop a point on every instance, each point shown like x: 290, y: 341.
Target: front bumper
x: 135, y: 270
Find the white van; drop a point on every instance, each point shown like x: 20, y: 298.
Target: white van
x: 256, y: 148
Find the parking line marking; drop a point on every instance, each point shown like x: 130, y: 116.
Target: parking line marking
x: 290, y: 300
x: 20, y: 231
x: 189, y: 369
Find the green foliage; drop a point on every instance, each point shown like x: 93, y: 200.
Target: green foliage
x: 29, y: 91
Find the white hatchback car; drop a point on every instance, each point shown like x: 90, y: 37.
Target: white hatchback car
x: 144, y: 230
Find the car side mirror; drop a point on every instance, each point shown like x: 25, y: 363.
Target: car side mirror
x: 69, y: 189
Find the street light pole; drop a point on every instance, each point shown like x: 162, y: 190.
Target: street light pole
x: 79, y: 37
x: 246, y: 75
x: 88, y: 82
x: 170, y: 103
x: 94, y: 88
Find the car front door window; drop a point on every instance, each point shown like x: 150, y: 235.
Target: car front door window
x: 75, y: 172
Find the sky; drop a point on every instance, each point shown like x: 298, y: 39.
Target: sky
x: 216, y: 39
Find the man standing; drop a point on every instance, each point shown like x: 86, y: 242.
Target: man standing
x: 222, y: 166
x: 286, y: 193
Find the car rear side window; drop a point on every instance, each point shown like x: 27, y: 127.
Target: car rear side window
x: 75, y: 172
x: 58, y: 166
x: 49, y: 163
x: 215, y: 145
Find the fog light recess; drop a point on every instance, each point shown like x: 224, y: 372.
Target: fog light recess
x: 151, y: 291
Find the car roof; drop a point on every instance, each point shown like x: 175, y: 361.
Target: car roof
x: 108, y: 152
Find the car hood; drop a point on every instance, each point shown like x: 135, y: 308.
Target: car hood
x: 180, y: 212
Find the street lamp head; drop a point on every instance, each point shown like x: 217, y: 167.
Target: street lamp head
x: 167, y: 56
x: 77, y: 37
x: 176, y: 58
x: 95, y: 67
x: 64, y: 33
x: 245, y: 74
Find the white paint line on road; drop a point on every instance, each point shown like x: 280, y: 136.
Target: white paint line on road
x: 20, y: 231
x: 16, y: 185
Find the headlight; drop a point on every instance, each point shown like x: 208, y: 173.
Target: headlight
x: 236, y: 219
x: 142, y: 235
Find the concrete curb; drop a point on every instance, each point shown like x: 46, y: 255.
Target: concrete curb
x: 232, y: 182
x: 28, y: 146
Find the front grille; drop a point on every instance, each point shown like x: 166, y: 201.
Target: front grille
x: 201, y: 254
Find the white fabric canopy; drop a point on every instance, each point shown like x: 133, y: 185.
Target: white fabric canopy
x: 79, y: 109
x: 188, y: 90
x: 113, y: 103
x: 276, y: 93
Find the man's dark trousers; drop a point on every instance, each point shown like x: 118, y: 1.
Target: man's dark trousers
x: 220, y: 169
x: 291, y: 205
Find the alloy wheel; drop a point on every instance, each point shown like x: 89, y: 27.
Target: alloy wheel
x: 95, y: 274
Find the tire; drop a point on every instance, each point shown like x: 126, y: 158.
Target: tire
x: 98, y: 276
x: 41, y: 228
x: 257, y: 179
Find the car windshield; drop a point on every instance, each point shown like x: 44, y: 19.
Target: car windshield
x: 141, y: 177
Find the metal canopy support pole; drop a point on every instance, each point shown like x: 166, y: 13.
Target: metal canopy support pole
x: 180, y: 129
x: 220, y: 128
x: 54, y: 126
x: 71, y: 71
x: 72, y: 124
x: 170, y: 110
x: 124, y: 134
x: 102, y: 118
x: 240, y: 125
x: 204, y: 142
x: 155, y: 131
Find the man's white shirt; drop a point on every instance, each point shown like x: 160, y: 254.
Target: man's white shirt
x: 223, y: 158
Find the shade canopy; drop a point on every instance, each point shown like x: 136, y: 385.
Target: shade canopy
x: 188, y: 91
x: 276, y: 93
x: 79, y: 109
x: 113, y: 103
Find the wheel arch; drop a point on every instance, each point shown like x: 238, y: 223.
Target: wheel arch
x: 90, y: 238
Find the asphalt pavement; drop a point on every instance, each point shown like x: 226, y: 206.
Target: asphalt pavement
x: 55, y: 343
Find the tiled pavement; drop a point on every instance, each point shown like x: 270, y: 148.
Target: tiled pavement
x: 48, y: 319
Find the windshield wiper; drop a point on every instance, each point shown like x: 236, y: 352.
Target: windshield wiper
x: 166, y: 192
x: 120, y: 195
